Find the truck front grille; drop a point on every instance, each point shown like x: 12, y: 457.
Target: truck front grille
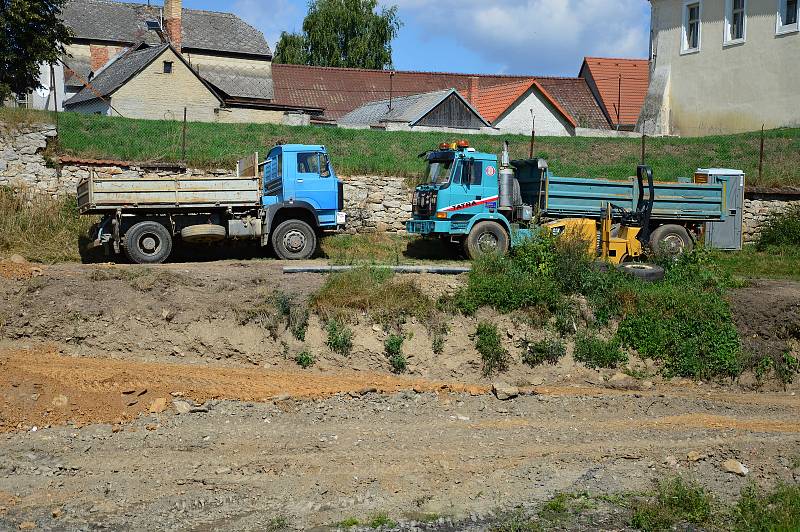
x: 424, y: 203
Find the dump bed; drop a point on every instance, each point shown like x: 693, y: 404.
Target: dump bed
x: 575, y: 197
x: 101, y: 195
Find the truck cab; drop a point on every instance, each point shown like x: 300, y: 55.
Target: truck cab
x: 301, y: 197
x: 461, y: 200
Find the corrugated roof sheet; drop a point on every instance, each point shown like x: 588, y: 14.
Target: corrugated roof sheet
x: 405, y: 109
x: 117, y: 74
x: 122, y: 22
x: 341, y: 90
x: 628, y: 93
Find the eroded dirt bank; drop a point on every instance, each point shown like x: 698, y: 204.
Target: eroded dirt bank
x: 139, y: 398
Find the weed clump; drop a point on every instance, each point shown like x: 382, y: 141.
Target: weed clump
x: 676, y: 501
x: 340, y: 337
x: 304, y: 359
x: 779, y: 510
x: 394, y: 350
x: 541, y: 352
x: 594, y: 352
x: 382, y: 520
x: 781, y: 229
x: 487, y: 341
x: 374, y: 292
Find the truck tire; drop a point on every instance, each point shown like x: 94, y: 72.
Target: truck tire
x: 148, y: 243
x: 203, y: 234
x: 645, y: 272
x: 670, y: 241
x: 486, y: 237
x: 294, y: 240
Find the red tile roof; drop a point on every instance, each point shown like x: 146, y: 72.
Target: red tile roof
x: 341, y: 90
x: 628, y: 78
x: 494, y: 101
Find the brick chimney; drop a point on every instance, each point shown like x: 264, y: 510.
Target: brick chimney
x: 472, y: 92
x: 99, y: 56
x: 172, y: 22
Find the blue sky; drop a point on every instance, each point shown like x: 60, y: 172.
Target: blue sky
x: 544, y: 37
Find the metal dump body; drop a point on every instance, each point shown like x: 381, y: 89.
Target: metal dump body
x: 102, y: 195
x: 572, y: 197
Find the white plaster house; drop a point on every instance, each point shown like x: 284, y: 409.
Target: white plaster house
x: 723, y: 66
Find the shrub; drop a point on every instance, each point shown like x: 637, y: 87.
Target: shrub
x: 304, y: 359
x: 781, y: 229
x: 779, y: 510
x: 544, y: 351
x: 437, y: 344
x: 295, y: 315
x: 494, y: 355
x: 382, y: 520
x: 676, y: 501
x: 394, y: 350
x: 594, y: 352
x: 690, y: 330
x: 340, y: 337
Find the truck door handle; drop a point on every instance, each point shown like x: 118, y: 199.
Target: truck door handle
x: 477, y: 197
x: 299, y: 180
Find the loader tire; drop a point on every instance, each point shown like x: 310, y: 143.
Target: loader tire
x: 486, y: 237
x: 670, y: 241
x: 294, y: 240
x: 203, y: 234
x: 148, y: 243
x: 645, y: 272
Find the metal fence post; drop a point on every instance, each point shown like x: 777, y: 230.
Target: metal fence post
x: 761, y: 155
x: 183, y: 138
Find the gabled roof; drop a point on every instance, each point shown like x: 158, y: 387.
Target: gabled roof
x: 495, y: 101
x: 238, y: 82
x: 117, y: 73
x: 341, y: 90
x: 621, y: 83
x: 405, y: 109
x: 125, y: 23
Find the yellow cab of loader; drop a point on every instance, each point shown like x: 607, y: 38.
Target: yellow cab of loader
x: 619, y: 246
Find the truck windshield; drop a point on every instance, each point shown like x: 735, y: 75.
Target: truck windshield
x: 439, y: 172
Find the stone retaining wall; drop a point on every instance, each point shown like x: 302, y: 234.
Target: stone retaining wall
x: 757, y: 211
x: 373, y: 203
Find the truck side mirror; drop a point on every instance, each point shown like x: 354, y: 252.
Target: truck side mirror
x: 466, y: 172
x: 324, y: 170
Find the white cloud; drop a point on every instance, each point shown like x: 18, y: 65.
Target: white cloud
x: 535, y: 36
x: 270, y: 16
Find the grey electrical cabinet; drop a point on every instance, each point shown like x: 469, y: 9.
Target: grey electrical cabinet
x: 726, y: 233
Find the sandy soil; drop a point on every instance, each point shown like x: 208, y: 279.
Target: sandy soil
x: 137, y: 398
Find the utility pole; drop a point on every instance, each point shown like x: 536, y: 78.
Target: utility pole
x: 533, y: 133
x: 391, y: 88
x: 761, y: 155
x: 619, y: 98
x: 183, y: 138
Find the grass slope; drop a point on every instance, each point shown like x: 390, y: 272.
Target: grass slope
x: 395, y: 153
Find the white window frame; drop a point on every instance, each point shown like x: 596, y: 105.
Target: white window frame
x: 780, y: 27
x: 727, y: 38
x: 685, y: 27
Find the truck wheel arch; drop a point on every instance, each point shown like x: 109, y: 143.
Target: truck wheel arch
x: 280, y: 212
x: 500, y: 220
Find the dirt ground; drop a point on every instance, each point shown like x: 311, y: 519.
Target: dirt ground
x: 146, y: 397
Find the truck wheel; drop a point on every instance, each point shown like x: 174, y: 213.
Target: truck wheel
x: 294, y: 240
x: 486, y: 237
x: 670, y: 241
x: 148, y: 243
x: 203, y: 234
x: 645, y: 272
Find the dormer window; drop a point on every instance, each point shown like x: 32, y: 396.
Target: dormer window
x: 167, y: 67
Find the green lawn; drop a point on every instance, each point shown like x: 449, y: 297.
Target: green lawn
x: 783, y: 263
x: 395, y: 153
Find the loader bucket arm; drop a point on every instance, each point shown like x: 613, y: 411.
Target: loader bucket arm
x: 644, y: 207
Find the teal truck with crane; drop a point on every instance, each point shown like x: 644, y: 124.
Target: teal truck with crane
x: 472, y: 199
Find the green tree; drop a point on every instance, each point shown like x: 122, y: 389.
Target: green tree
x: 31, y: 33
x: 342, y: 33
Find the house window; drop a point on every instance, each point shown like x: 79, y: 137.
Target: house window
x: 788, y: 15
x: 167, y: 67
x: 691, y: 27
x: 735, y: 20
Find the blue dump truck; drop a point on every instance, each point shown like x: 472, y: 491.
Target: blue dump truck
x: 287, y: 202
x: 471, y: 199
